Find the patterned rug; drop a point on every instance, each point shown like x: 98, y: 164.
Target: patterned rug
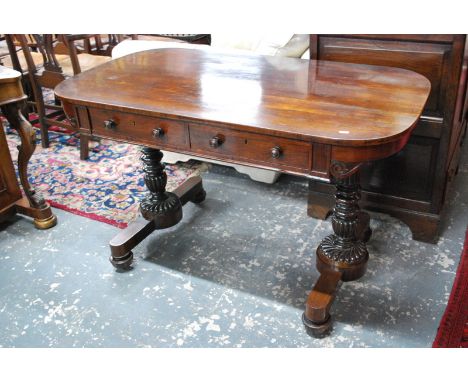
x: 453, y: 328
x: 107, y: 187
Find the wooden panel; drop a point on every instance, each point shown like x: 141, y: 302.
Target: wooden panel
x: 139, y: 129
x: 255, y: 148
x: 321, y: 160
x: 429, y: 59
x: 410, y: 37
x: 461, y: 106
x: 12, y: 90
x: 9, y: 189
x: 83, y: 119
x: 406, y: 174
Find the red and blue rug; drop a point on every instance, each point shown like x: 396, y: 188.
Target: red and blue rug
x: 453, y: 328
x: 107, y: 187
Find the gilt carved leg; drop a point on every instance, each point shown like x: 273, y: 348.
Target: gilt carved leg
x: 341, y: 256
x: 32, y: 204
x: 159, y: 209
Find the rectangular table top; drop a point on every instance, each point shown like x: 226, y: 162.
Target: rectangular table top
x: 331, y: 102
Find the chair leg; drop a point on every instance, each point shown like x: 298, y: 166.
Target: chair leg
x: 84, y: 147
x: 44, y: 134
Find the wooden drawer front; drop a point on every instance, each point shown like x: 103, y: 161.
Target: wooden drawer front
x: 131, y: 127
x: 253, y: 148
x: 432, y: 60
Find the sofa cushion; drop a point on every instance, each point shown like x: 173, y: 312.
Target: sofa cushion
x: 286, y: 45
x: 132, y: 46
x: 295, y: 47
x: 87, y: 61
x: 267, y: 44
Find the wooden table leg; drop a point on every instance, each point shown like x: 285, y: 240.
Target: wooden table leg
x: 341, y: 256
x: 159, y: 209
x: 32, y: 204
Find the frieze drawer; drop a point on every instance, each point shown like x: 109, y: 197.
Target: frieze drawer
x: 270, y: 151
x: 152, y: 131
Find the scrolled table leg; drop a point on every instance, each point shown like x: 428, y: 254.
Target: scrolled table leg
x: 341, y: 256
x: 38, y: 208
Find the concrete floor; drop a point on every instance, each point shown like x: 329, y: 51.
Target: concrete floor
x: 234, y: 273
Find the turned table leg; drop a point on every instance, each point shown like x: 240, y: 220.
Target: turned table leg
x: 341, y: 256
x: 159, y: 209
x: 32, y: 205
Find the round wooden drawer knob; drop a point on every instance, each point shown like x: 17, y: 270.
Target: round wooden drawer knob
x: 276, y: 152
x: 110, y: 124
x: 215, y: 142
x: 158, y: 132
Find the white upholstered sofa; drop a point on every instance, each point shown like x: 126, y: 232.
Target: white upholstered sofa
x: 276, y: 44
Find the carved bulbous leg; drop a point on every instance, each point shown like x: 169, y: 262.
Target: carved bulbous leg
x: 160, y: 205
x: 342, y: 250
x: 160, y: 209
x: 341, y: 256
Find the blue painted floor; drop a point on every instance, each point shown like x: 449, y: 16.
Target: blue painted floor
x: 234, y: 273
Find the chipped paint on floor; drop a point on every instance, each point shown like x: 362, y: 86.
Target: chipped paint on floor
x: 234, y: 273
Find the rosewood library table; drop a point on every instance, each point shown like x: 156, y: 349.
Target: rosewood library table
x: 317, y: 119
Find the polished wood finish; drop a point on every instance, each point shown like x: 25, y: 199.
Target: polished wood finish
x: 412, y: 184
x: 343, y: 105
x: 315, y: 118
x: 11, y: 200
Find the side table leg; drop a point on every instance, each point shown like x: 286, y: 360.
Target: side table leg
x: 159, y: 205
x: 35, y: 207
x: 341, y: 256
x: 159, y: 209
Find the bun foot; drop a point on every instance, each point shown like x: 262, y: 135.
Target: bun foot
x: 367, y: 235
x: 123, y: 263
x: 317, y: 330
x: 45, y: 223
x: 199, y: 197
x: 363, y: 230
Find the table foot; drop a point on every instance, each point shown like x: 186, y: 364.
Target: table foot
x: 122, y: 244
x: 317, y: 330
x: 199, y: 197
x: 124, y: 262
x: 42, y: 215
x: 46, y: 223
x: 317, y: 318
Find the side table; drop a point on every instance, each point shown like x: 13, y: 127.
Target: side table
x: 12, y: 201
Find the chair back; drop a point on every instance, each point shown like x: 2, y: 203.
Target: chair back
x: 49, y: 73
